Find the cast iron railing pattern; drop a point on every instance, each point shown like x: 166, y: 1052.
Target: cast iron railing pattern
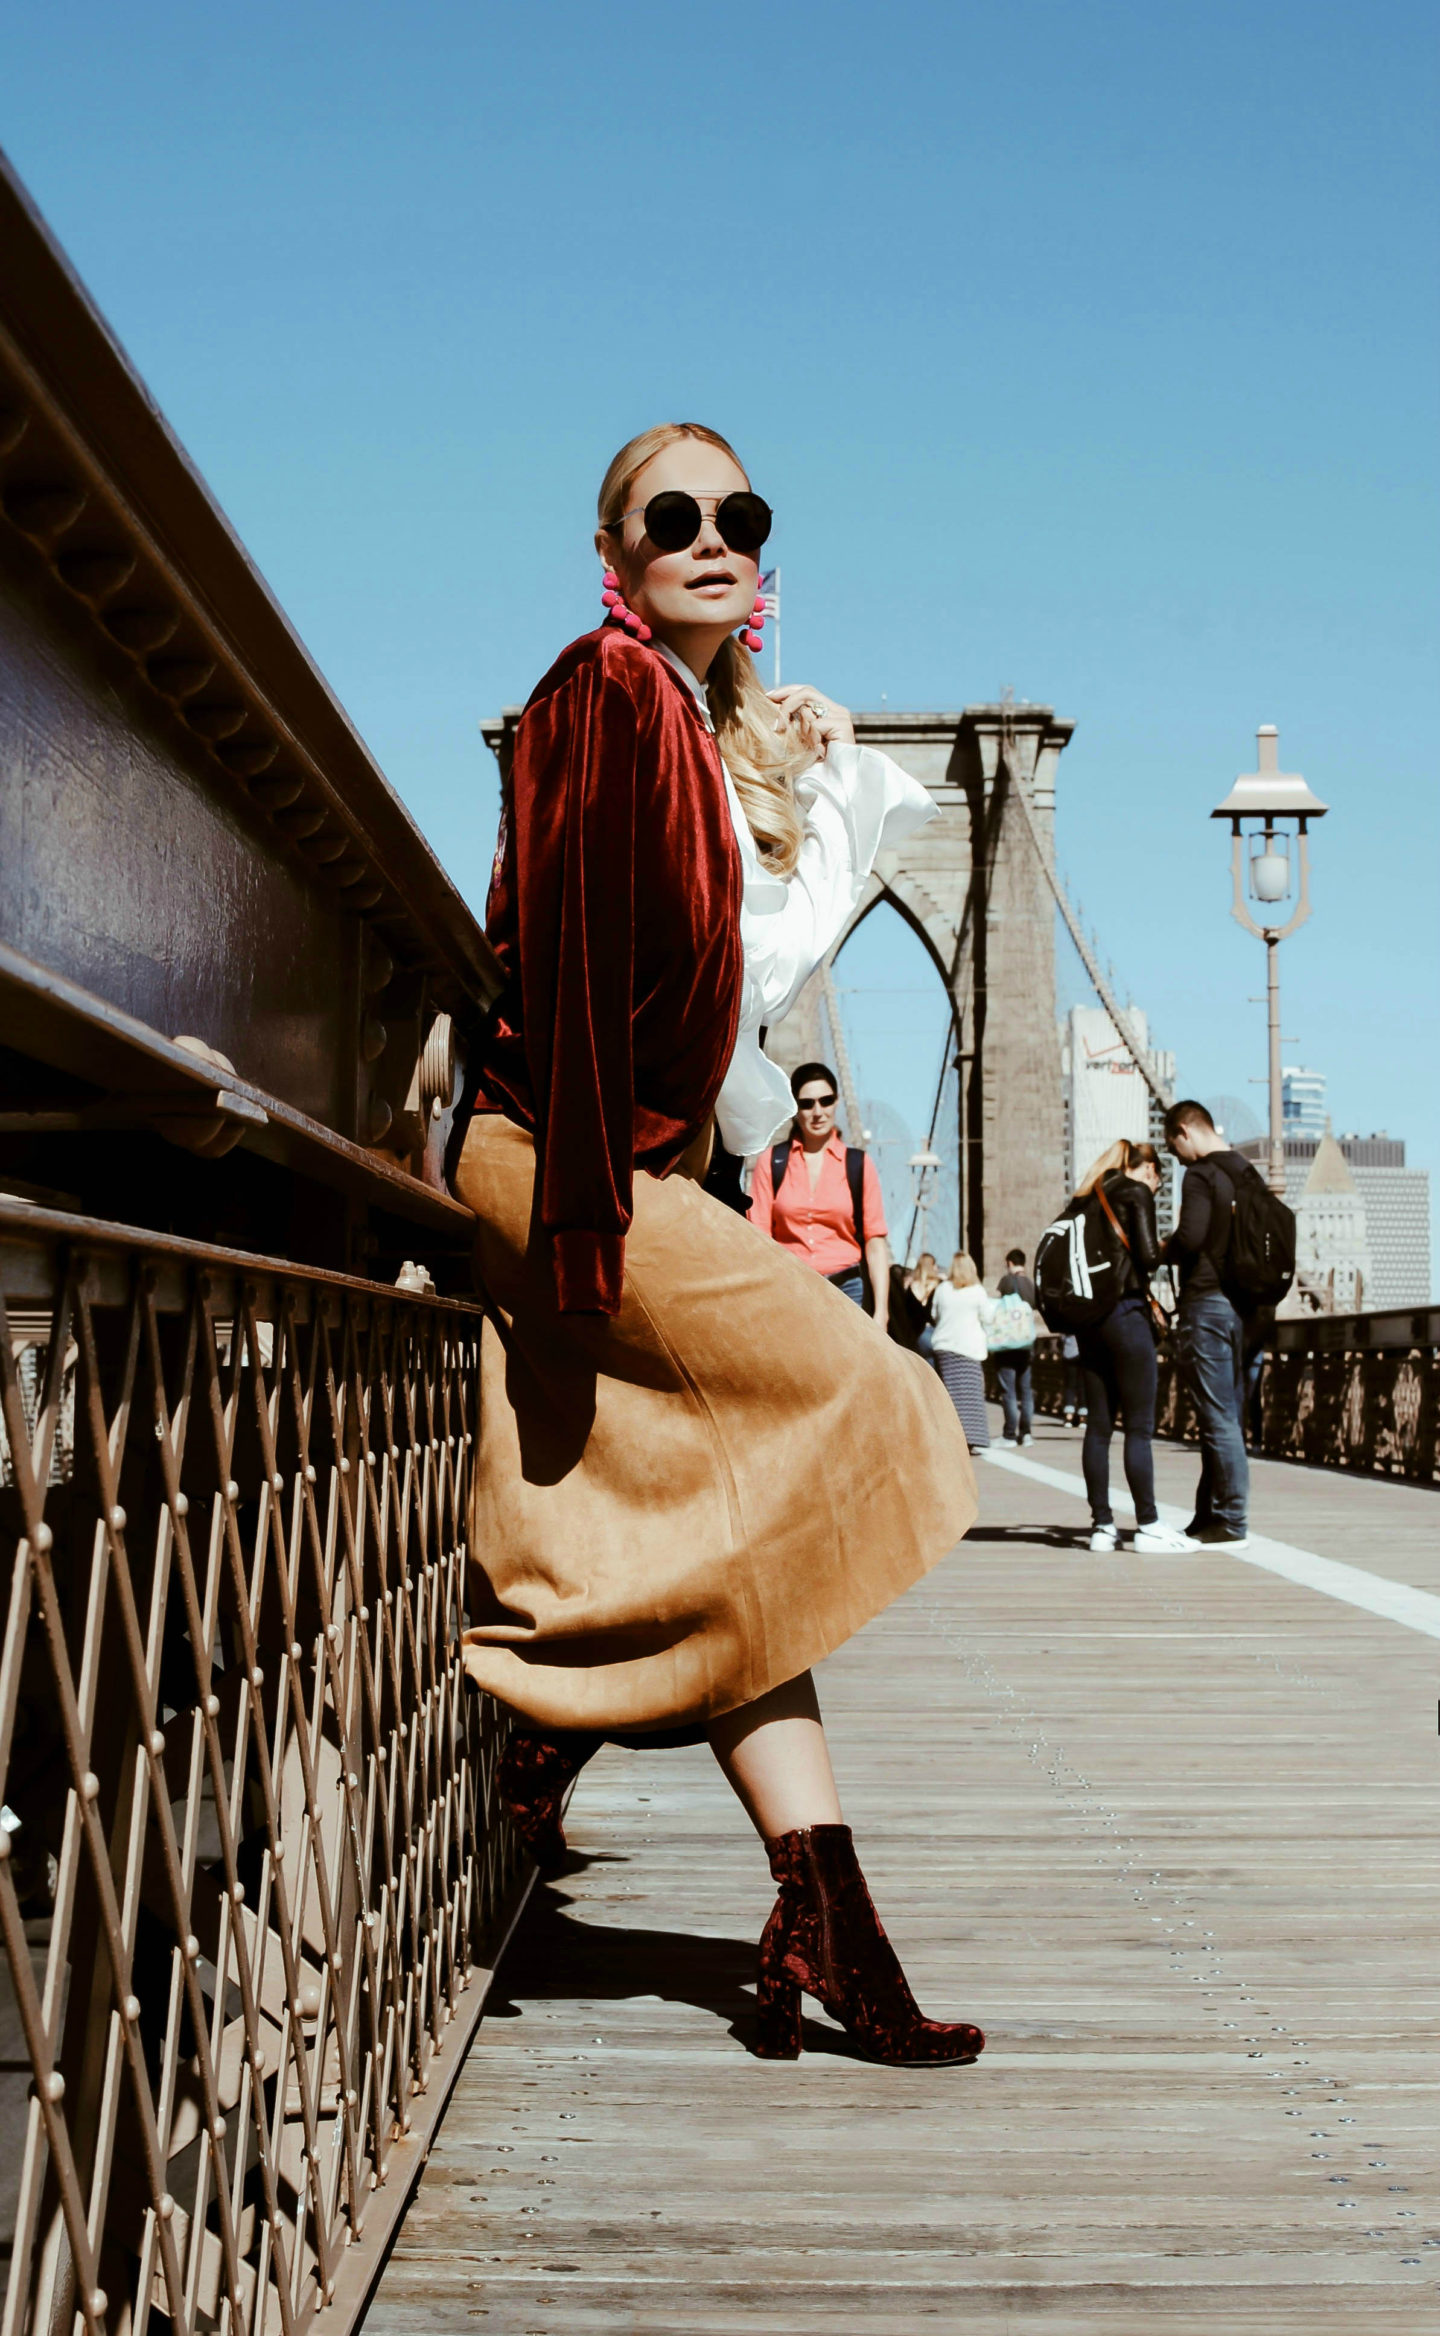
x: 247, y: 1858
x: 1373, y: 1410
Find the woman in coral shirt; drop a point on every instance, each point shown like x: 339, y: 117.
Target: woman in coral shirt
x: 813, y: 1214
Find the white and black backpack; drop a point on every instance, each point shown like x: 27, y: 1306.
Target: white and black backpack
x: 1077, y: 1267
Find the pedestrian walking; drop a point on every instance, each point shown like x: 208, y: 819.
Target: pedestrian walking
x: 1011, y: 1335
x: 698, y: 1470
x: 1117, y: 1353
x: 1231, y: 1272
x: 820, y: 1198
x: 921, y: 1283
x: 959, y: 1307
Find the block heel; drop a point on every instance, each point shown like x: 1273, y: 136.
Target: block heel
x: 777, y: 2029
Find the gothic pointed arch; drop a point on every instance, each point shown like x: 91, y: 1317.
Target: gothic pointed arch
x: 971, y: 886
x: 918, y: 910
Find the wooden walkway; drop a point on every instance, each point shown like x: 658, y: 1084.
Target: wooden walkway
x: 1166, y: 1828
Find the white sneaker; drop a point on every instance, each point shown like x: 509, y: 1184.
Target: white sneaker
x: 1024, y: 1440
x: 1162, y: 1541
x: 1104, y: 1539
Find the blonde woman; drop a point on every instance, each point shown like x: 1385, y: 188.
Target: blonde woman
x: 701, y: 1467
x: 1117, y: 1355
x: 959, y: 1308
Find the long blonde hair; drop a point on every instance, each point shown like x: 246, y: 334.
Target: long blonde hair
x: 1122, y: 1154
x: 763, y: 762
x: 963, y: 1272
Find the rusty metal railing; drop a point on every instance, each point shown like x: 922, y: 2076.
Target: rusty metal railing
x: 251, y: 1876
x: 1355, y: 1392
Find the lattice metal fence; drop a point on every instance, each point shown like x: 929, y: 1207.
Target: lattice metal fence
x: 1371, y: 1411
x: 250, y: 1871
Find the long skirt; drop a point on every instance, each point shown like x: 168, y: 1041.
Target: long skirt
x: 965, y: 1385
x: 683, y: 1505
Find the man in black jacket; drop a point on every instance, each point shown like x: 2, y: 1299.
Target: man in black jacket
x: 1213, y: 1323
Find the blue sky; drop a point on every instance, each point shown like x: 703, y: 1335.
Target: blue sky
x: 1089, y: 349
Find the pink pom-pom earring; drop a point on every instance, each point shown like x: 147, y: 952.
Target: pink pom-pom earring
x: 615, y: 607
x: 753, y: 634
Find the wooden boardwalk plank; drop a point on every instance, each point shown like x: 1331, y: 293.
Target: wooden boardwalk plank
x: 1165, y: 1827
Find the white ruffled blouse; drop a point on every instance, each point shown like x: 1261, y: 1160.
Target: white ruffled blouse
x: 857, y: 803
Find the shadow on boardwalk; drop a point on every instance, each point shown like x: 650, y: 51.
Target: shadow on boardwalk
x: 1163, y: 1827
x: 559, y: 1956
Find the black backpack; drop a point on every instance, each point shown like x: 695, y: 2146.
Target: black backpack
x: 1259, y: 1259
x: 1077, y: 1267
x: 854, y: 1177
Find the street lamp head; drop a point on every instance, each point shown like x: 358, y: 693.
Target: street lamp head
x: 1282, y: 806
x: 1270, y: 811
x: 1269, y: 793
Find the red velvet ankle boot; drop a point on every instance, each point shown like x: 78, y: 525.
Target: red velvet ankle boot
x: 824, y: 1937
x: 534, y: 1774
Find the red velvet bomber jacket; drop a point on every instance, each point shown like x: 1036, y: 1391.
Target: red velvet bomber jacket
x: 615, y: 912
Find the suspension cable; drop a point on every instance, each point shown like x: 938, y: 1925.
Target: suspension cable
x: 1138, y: 1054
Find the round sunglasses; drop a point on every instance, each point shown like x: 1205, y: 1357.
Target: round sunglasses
x: 672, y: 520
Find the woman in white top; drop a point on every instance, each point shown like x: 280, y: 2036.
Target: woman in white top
x: 959, y: 1310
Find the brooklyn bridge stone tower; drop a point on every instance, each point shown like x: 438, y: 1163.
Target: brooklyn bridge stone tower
x: 974, y: 887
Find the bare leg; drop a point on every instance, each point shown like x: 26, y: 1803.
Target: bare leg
x: 824, y: 1937
x: 774, y: 1754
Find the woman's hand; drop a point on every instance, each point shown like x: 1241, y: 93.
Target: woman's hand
x: 814, y: 712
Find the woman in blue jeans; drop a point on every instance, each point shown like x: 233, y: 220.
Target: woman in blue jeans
x: 1118, y: 1354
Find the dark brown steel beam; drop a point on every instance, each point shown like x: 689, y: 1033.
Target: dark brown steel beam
x: 93, y: 476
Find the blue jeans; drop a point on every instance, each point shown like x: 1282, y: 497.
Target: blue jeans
x: 1012, y: 1369
x: 1121, y: 1377
x: 1252, y: 1419
x: 1212, y: 1356
x: 853, y: 1284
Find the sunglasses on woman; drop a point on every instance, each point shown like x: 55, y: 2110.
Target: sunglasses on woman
x: 674, y: 519
x: 817, y: 1103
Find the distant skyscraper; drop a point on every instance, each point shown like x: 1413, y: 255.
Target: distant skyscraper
x: 1397, y: 1209
x: 1302, y: 1096
x: 1333, y: 1269
x: 1105, y: 1096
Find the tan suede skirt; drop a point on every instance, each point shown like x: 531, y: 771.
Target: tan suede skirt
x: 693, y: 1501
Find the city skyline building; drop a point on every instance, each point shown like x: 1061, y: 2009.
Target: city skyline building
x: 1333, y: 1269
x: 1396, y: 1201
x: 1105, y: 1095
x: 1302, y: 1101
